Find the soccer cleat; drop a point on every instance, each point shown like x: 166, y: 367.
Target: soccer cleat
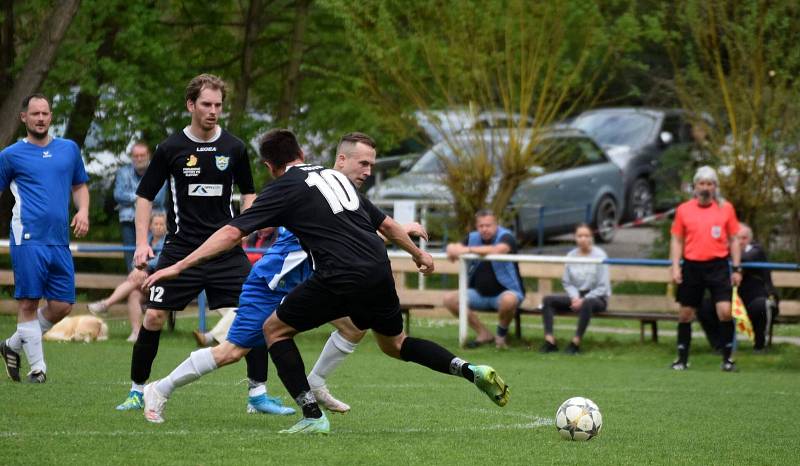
x: 200, y: 338
x: 11, y: 360
x: 679, y: 365
x: 37, y: 377
x: 98, y: 307
x: 309, y: 425
x: 728, y: 366
x: 572, y: 349
x: 134, y: 401
x: 487, y: 380
x: 154, y: 403
x: 267, y: 405
x: 548, y: 347
x: 328, y: 402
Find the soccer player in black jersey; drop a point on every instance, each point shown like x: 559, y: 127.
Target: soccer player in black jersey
x: 352, y: 273
x: 200, y: 163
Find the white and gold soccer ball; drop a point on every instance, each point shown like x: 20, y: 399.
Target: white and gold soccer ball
x: 578, y: 418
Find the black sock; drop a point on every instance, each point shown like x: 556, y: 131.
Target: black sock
x: 144, y: 353
x: 684, y: 341
x: 501, y: 331
x: 727, y: 333
x: 257, y: 363
x: 433, y: 356
x: 292, y: 373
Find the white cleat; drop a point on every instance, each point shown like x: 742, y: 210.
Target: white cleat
x: 154, y: 403
x: 328, y: 402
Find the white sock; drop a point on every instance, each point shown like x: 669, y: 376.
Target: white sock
x: 256, y: 389
x: 333, y: 353
x: 44, y: 324
x: 31, y: 336
x: 137, y: 387
x: 208, y: 338
x: 198, y: 363
x: 15, y: 341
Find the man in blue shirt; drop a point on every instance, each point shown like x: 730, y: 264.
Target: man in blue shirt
x: 41, y: 171
x: 125, y: 183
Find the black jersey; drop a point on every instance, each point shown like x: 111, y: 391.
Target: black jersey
x: 324, y: 210
x: 201, y: 175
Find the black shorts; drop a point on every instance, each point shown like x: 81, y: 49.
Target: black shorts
x: 713, y: 275
x: 221, y: 277
x: 368, y: 297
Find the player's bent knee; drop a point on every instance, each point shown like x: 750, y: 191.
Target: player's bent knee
x: 154, y: 319
x: 227, y: 353
x: 390, y: 345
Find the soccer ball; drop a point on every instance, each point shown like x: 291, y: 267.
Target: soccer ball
x: 578, y: 419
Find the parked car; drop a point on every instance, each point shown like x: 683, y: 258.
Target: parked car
x: 634, y: 138
x: 576, y: 183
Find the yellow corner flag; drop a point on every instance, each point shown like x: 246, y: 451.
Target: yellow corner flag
x: 743, y: 324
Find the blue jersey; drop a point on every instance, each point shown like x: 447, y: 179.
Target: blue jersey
x: 41, y: 180
x: 272, y: 270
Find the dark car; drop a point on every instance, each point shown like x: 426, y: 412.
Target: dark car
x: 634, y: 138
x: 576, y: 183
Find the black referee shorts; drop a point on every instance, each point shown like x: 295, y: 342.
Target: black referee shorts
x: 698, y: 276
x: 368, y: 297
x: 221, y: 277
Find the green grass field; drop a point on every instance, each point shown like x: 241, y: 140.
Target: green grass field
x: 405, y: 414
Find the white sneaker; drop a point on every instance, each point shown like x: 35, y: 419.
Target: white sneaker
x: 154, y: 403
x: 98, y: 307
x: 327, y: 400
x: 132, y: 337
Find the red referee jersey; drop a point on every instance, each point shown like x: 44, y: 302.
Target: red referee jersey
x: 705, y: 230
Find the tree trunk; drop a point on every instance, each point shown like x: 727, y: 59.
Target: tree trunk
x: 288, y: 97
x: 38, y: 64
x: 252, y: 27
x: 82, y: 115
x: 7, y: 51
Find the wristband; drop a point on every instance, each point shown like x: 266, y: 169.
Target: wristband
x: 737, y: 269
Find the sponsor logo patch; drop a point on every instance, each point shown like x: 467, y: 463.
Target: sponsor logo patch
x: 716, y: 232
x: 191, y: 161
x: 205, y: 190
x: 221, y: 161
x: 207, y: 149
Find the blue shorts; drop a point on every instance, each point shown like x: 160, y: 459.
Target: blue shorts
x: 42, y: 271
x: 256, y: 303
x: 479, y: 302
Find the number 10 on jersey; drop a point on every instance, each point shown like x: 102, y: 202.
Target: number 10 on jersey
x: 335, y: 188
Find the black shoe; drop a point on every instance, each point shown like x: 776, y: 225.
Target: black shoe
x: 572, y: 349
x: 728, y: 366
x: 679, y: 365
x: 11, y: 360
x: 37, y: 377
x: 548, y: 347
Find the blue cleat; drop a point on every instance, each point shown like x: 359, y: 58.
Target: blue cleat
x: 135, y: 400
x: 310, y: 426
x: 267, y: 405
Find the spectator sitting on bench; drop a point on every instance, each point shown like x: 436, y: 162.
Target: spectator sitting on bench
x: 493, y: 285
x: 757, y: 293
x: 132, y: 284
x: 587, y: 287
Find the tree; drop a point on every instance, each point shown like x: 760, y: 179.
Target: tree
x: 36, y: 66
x: 542, y: 60
x: 736, y: 65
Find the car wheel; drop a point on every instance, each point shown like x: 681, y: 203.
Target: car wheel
x: 605, y: 220
x: 640, y: 199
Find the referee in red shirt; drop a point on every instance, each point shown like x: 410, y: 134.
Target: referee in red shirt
x: 704, y: 235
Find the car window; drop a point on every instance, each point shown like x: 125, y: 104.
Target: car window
x: 681, y: 132
x: 617, y: 129
x: 431, y: 161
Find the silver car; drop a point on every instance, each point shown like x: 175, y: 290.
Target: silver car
x: 576, y: 183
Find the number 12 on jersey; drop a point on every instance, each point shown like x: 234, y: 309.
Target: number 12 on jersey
x: 335, y: 188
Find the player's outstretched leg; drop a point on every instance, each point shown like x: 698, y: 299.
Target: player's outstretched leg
x: 433, y: 356
x: 333, y: 353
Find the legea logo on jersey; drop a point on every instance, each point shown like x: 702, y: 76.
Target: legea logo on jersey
x: 221, y: 161
x: 207, y: 149
x: 191, y: 168
x: 205, y: 190
x: 46, y: 155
